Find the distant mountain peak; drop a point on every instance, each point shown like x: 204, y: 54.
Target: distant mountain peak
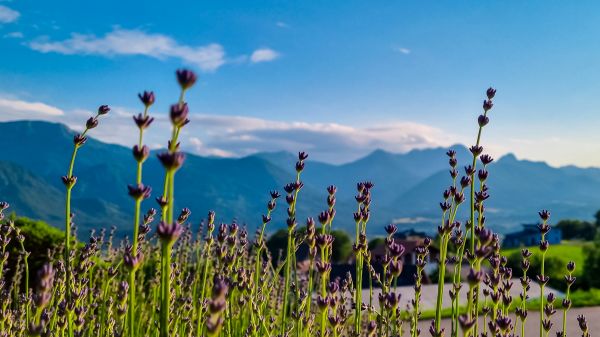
x: 508, y: 158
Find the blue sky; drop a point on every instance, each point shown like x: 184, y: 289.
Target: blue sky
x: 336, y: 78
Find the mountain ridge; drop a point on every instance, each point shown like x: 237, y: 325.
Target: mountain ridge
x: 408, y: 186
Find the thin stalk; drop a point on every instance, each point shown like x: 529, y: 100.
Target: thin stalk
x: 542, y: 288
x: 442, y: 273
x: 287, y: 280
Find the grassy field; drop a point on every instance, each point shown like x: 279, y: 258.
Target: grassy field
x: 566, y: 251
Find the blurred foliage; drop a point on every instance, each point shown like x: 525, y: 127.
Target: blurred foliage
x: 342, y: 245
x: 577, y: 229
x: 40, y: 238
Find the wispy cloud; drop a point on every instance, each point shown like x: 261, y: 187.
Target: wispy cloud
x: 282, y: 24
x: 402, y: 50
x: 13, y: 35
x: 135, y: 42
x: 263, y: 55
x: 8, y: 15
x: 332, y: 142
x: 236, y: 136
x: 19, y: 109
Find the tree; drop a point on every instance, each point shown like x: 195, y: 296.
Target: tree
x: 342, y: 246
x: 597, y: 217
x: 40, y: 237
x: 577, y: 229
x: 341, y: 251
x: 554, y: 267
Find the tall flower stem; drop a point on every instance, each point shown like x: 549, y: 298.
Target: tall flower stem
x: 69, y: 181
x: 140, y: 154
x: 542, y: 278
x: 170, y: 230
x: 542, y: 294
x: 207, y: 262
x: 292, y: 190
x: 570, y: 279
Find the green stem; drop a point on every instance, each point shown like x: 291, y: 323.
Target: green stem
x: 165, y: 283
x: 442, y: 273
x: 287, y: 280
x: 542, y: 289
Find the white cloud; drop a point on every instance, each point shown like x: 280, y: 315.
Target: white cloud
x: 19, y: 109
x: 236, y: 136
x: 263, y: 55
x: 201, y: 149
x: 135, y: 42
x: 282, y: 24
x: 402, y: 50
x: 412, y: 221
x: 8, y: 15
x: 14, y: 35
x: 332, y: 142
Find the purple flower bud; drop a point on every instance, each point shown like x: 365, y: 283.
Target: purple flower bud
x: 487, y: 105
x: 570, y: 279
x: 324, y: 217
x: 79, y: 139
x: 210, y: 218
x: 171, y: 160
x: 140, y: 153
x: 325, y: 240
x: 482, y: 175
x: 69, y: 182
x: 139, y: 191
x: 179, y: 114
x: 147, y: 98
x: 582, y: 323
x: 161, y: 201
x: 476, y: 150
x: 491, y: 92
x: 331, y: 189
x: 186, y: 78
x: 184, y: 215
x: 483, y: 120
x: 543, y: 279
x: 142, y: 122
x: 465, y: 181
x: 503, y: 322
x: 169, y: 233
x: 474, y: 277
x: 486, y: 159
x: 91, y: 123
x: 103, y: 110
x: 130, y: 261
x: 544, y: 214
x: 466, y: 324
x: 289, y: 188
x: 302, y: 156
x: 391, y: 229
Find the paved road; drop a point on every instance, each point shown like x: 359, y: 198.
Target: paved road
x: 429, y: 293
x: 532, y: 326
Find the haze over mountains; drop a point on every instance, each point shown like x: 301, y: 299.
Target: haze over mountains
x: 408, y: 187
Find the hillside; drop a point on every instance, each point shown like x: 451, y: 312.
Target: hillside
x: 407, y: 189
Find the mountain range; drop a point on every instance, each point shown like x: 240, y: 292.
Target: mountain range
x: 408, y: 186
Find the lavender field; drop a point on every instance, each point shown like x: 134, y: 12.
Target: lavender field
x: 299, y: 169
x: 175, y: 279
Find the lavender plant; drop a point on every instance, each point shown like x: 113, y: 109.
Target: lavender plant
x: 218, y: 282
